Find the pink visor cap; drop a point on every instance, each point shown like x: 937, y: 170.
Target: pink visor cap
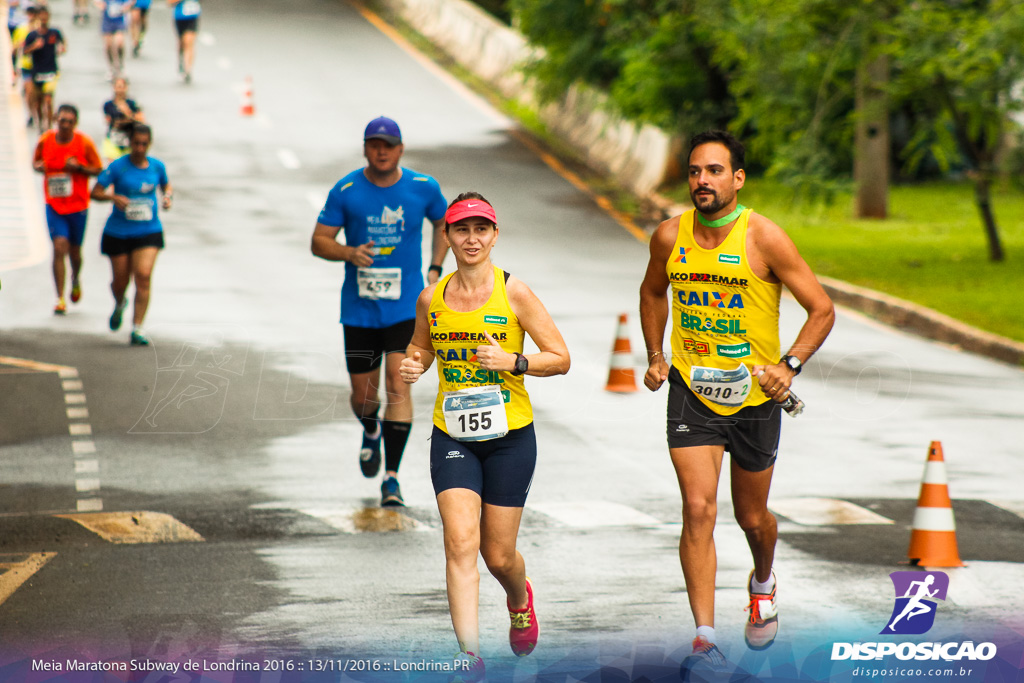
x: 470, y: 208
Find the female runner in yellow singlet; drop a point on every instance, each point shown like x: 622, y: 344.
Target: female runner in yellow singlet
x: 483, y: 448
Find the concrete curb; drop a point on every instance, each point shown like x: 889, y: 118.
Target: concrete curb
x: 922, y: 321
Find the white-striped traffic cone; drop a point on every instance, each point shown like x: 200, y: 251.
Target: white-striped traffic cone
x: 933, y: 531
x: 620, y: 377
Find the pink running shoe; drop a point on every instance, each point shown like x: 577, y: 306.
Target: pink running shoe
x: 522, y: 636
x: 469, y: 668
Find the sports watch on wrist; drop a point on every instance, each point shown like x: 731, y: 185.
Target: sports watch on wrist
x: 793, y: 363
x: 521, y: 366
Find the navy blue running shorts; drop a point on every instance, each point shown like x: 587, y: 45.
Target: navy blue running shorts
x: 499, y: 470
x: 751, y: 435
x: 365, y: 347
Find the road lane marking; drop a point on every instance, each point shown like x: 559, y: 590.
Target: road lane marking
x: 83, y: 447
x: 825, y: 511
x: 87, y: 466
x: 207, y: 39
x: 87, y: 485
x: 224, y: 63
x: 354, y: 520
x: 74, y: 399
x: 61, y: 370
x: 590, y: 514
x: 17, y: 571
x: 136, y: 527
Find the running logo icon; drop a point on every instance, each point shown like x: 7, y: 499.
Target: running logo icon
x: 682, y: 254
x: 914, y: 611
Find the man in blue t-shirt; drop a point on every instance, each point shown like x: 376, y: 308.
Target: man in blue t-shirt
x: 381, y: 208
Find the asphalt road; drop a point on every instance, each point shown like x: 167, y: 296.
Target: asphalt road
x: 207, y: 503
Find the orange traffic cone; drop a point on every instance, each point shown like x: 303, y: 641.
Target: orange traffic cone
x: 248, y: 109
x: 933, y: 532
x: 620, y: 376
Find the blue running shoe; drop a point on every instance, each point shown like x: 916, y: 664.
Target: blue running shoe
x: 369, y: 454
x: 391, y: 493
x: 115, y: 317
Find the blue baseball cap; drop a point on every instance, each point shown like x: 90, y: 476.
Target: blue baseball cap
x: 383, y: 128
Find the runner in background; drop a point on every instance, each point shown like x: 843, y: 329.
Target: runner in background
x: 66, y: 158
x: 23, y: 62
x: 139, y: 24
x: 43, y: 44
x: 186, y: 22
x: 121, y: 113
x: 133, y: 235
x: 113, y: 23
x: 81, y: 12
x: 16, y: 17
x: 381, y: 209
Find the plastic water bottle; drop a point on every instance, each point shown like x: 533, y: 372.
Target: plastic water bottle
x: 793, y: 405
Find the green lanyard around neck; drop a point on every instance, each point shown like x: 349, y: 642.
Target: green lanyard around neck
x: 724, y: 220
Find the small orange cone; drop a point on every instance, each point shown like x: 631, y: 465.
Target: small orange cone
x: 933, y: 532
x: 620, y: 376
x: 248, y: 109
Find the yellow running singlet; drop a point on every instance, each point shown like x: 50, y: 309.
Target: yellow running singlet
x: 722, y: 313
x: 455, y: 335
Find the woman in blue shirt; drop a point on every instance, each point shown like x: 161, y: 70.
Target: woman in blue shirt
x: 133, y: 235
x: 186, y: 21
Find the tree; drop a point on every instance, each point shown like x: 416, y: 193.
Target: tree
x: 653, y: 57
x: 966, y: 60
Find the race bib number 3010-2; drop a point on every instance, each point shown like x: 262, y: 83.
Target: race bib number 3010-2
x: 475, y: 414
x: 725, y: 387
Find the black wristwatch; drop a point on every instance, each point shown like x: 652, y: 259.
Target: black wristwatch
x: 522, y: 365
x: 793, y: 363
x: 435, y: 267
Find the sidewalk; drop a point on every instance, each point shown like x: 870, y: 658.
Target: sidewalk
x: 23, y: 236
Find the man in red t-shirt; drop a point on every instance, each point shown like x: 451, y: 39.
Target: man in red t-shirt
x: 66, y: 158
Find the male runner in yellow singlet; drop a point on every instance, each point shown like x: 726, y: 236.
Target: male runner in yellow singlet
x: 723, y: 266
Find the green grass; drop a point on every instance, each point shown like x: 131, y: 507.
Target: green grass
x: 931, y: 250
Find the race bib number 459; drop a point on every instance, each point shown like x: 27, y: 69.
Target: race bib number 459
x: 380, y: 283
x: 725, y: 387
x: 475, y: 414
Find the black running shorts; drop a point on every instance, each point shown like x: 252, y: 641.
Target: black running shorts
x: 751, y: 435
x: 499, y: 470
x: 116, y: 246
x: 186, y: 25
x: 365, y: 347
